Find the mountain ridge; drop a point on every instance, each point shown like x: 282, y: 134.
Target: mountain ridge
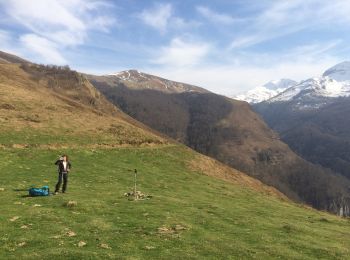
x: 148, y: 81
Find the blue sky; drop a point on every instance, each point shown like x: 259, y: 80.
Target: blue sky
x: 226, y: 46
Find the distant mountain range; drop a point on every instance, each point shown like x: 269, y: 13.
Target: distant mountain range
x: 307, y: 94
x: 312, y: 117
x: 225, y: 129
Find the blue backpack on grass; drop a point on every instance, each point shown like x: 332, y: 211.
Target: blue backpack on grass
x: 43, y: 191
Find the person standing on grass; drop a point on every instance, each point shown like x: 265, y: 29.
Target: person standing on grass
x: 64, y: 167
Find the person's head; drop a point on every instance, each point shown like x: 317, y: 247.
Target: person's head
x: 65, y: 157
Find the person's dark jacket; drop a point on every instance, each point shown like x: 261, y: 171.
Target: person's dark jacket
x: 61, y: 166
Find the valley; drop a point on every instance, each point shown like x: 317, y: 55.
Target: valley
x: 227, y: 130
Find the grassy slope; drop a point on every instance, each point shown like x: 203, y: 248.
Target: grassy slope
x: 223, y: 219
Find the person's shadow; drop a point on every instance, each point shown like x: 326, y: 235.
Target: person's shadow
x: 22, y: 196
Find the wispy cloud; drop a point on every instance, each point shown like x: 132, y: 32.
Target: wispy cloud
x: 215, y: 16
x: 162, y: 18
x: 43, y: 47
x: 157, y: 17
x: 181, y: 53
x: 311, y: 52
x: 53, y: 25
x: 285, y: 17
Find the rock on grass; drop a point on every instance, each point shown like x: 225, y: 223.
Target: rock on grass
x: 105, y: 246
x: 14, y: 218
x: 71, y: 233
x: 81, y: 244
x: 22, y: 244
x: 71, y: 204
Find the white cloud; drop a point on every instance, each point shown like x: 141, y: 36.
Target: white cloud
x: 48, y: 18
x: 43, y: 47
x: 248, y: 70
x: 215, y: 16
x: 181, y: 53
x: 230, y: 80
x: 161, y: 18
x: 157, y: 17
x: 56, y: 25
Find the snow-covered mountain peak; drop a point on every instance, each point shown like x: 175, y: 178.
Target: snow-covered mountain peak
x: 339, y: 72
x: 128, y: 74
x: 266, y: 91
x: 280, y: 83
x: 312, y: 93
x: 130, y: 78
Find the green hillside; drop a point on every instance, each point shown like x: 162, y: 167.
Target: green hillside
x: 190, y: 215
x: 199, y: 208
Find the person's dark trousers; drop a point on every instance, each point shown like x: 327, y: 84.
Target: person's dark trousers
x: 62, y: 176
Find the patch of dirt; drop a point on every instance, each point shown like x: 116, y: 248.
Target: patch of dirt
x: 165, y: 230
x: 20, y: 146
x: 171, y: 230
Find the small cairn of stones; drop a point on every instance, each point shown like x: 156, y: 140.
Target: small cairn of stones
x: 137, y: 195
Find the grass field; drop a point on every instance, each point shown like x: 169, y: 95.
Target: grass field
x: 190, y: 215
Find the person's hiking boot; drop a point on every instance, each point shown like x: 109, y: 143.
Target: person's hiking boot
x: 55, y: 193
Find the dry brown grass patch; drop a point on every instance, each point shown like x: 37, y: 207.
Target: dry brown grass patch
x: 213, y: 168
